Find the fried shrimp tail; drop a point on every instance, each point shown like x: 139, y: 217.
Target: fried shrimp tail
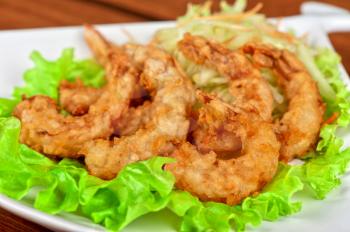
x: 299, y: 127
x: 100, y: 47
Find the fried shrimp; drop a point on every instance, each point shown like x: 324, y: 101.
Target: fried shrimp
x: 46, y: 130
x: 76, y: 98
x: 250, y: 91
x: 172, y: 96
x: 229, y: 179
x: 299, y: 127
x: 235, y: 151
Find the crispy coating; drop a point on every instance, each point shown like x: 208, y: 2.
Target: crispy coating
x: 172, y: 95
x: 210, y: 131
x: 46, y: 130
x: 100, y: 47
x: 228, y: 179
x: 249, y: 89
x: 299, y: 127
x: 251, y: 92
x: 135, y: 118
x: 76, y: 98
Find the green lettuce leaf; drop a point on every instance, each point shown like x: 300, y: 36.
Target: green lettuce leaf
x: 45, y: 77
x: 66, y: 186
x: 6, y: 106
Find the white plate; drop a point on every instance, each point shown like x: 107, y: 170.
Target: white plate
x: 15, y: 46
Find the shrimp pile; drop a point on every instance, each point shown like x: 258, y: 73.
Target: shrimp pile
x: 235, y: 151
x: 299, y: 127
x: 148, y: 107
x: 165, y: 117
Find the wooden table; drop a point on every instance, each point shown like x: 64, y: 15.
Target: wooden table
x: 17, y: 14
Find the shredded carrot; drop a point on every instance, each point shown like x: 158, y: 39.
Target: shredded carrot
x: 277, y: 34
x: 331, y: 119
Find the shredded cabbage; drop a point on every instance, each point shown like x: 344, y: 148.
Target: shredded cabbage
x: 234, y: 32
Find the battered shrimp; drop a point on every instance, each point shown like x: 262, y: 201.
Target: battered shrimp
x: 237, y: 176
x: 249, y: 89
x: 135, y: 118
x: 100, y: 47
x: 46, y: 130
x: 172, y: 95
x: 298, y: 129
x: 235, y: 151
x: 251, y: 92
x: 76, y: 98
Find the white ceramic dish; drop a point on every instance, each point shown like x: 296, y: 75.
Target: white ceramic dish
x: 15, y: 46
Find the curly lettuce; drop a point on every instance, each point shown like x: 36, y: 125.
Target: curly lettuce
x: 45, y: 77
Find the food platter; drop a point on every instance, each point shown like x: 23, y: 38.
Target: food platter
x: 326, y: 215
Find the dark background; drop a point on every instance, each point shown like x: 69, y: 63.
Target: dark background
x: 17, y: 14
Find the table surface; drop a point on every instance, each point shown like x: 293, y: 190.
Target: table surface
x: 17, y: 14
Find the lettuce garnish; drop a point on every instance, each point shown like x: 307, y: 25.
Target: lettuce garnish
x: 144, y: 187
x: 45, y: 77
